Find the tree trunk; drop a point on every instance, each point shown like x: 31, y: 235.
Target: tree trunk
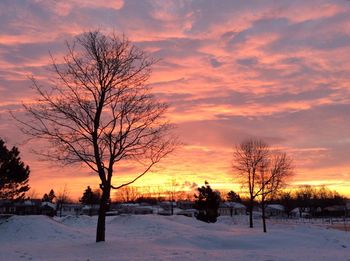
x: 101, y: 223
x: 263, y: 217
x: 251, y: 214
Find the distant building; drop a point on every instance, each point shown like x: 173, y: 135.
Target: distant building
x: 273, y: 210
x: 7, y: 207
x: 90, y: 210
x: 134, y: 208
x: 185, y: 204
x: 24, y: 207
x: 48, y: 209
x: 335, y: 211
x: 231, y: 208
x: 68, y: 209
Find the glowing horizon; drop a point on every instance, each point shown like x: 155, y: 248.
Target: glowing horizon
x: 230, y: 70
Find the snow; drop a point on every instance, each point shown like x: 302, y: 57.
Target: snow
x: 154, y: 237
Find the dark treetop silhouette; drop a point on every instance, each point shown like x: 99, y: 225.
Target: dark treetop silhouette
x: 14, y: 175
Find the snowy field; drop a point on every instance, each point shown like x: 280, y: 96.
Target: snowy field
x: 152, y: 237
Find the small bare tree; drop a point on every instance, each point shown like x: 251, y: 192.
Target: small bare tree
x: 172, y: 193
x: 99, y: 112
x: 272, y: 177
x: 61, y: 199
x: 247, y: 160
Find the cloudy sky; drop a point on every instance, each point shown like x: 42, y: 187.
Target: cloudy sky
x: 279, y: 70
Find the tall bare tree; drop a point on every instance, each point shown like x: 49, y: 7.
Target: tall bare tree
x: 247, y: 160
x: 99, y: 112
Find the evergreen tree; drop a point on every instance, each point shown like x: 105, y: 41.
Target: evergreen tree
x: 49, y: 197
x: 233, y: 197
x: 90, y: 197
x: 52, y: 195
x: 207, y: 202
x: 45, y: 198
x: 14, y: 175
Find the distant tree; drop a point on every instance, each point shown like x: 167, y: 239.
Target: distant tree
x: 207, y: 202
x: 14, y: 174
x: 304, y: 198
x: 52, y: 195
x: 90, y: 197
x: 149, y: 200
x: 172, y: 190
x: 247, y: 160
x: 271, y: 178
x: 62, y: 198
x: 49, y: 197
x: 324, y: 197
x: 100, y: 112
x: 288, y: 201
x: 261, y: 172
x: 127, y: 194
x: 45, y: 198
x: 233, y: 197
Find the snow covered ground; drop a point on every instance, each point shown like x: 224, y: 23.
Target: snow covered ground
x: 152, y: 237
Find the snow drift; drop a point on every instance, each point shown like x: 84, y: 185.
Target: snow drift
x: 152, y: 237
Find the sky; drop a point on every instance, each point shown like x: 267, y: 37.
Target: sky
x: 230, y: 70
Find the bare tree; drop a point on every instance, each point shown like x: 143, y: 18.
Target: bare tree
x: 127, y: 194
x: 172, y: 193
x: 262, y: 172
x: 304, y: 196
x: 62, y: 198
x: 247, y: 160
x: 274, y: 172
x: 99, y: 112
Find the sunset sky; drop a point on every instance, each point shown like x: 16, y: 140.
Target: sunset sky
x: 278, y: 70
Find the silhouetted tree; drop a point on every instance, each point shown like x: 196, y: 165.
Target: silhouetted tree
x: 233, y: 197
x: 273, y: 173
x: 304, y: 198
x: 262, y: 172
x: 61, y: 199
x: 100, y: 112
x: 288, y: 201
x: 172, y: 189
x: 314, y: 201
x: 148, y: 200
x: 207, y: 202
x: 247, y: 160
x: 14, y: 175
x: 127, y: 194
x: 45, y: 198
x: 90, y: 197
x: 49, y: 197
